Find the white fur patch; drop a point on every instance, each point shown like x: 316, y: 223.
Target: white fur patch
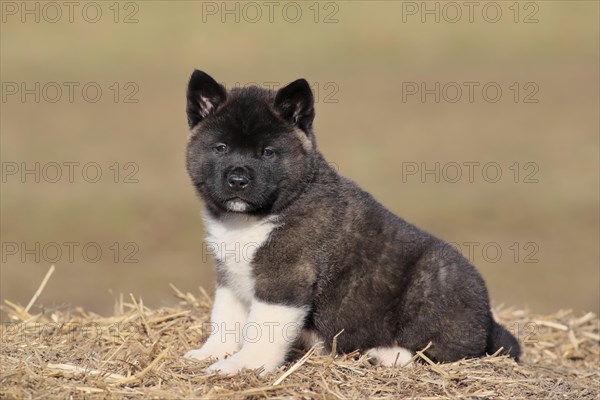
x: 237, y: 205
x: 390, y: 356
x: 228, y: 316
x: 233, y: 240
x: 265, y: 332
x: 268, y: 334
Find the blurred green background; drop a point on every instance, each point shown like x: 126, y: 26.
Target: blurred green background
x: 363, y: 58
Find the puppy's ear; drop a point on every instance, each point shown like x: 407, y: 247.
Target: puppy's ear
x: 204, y: 95
x: 295, y: 104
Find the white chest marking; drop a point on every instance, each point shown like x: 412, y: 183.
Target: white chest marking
x: 233, y: 241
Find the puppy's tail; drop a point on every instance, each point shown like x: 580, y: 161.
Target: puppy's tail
x: 500, y: 337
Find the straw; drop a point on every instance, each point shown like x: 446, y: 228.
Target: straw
x: 137, y: 354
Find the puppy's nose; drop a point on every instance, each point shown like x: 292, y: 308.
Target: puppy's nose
x: 238, y: 179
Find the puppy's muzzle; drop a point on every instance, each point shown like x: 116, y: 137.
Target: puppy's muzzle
x: 238, y: 178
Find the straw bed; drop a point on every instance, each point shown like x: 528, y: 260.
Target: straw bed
x: 73, y: 354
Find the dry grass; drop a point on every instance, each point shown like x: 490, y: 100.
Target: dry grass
x: 70, y: 353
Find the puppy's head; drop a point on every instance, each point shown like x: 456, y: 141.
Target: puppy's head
x: 251, y: 150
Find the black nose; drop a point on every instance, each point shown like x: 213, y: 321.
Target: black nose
x: 237, y: 179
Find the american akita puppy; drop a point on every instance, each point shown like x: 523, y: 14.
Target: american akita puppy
x: 303, y: 253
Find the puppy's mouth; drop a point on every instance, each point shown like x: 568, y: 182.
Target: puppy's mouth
x: 237, y: 204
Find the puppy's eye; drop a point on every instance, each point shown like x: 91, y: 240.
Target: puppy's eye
x: 268, y: 152
x: 220, y: 148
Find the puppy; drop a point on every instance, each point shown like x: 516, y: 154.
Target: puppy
x: 302, y: 253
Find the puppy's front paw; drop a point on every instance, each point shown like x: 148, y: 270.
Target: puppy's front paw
x: 238, y: 362
x: 226, y: 367
x: 211, y: 350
